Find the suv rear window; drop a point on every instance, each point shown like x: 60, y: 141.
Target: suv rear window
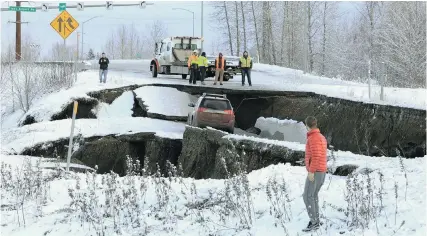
x: 215, y: 104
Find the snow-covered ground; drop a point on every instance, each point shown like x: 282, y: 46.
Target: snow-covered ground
x: 180, y: 206
x: 17, y: 139
x: 174, y: 208
x: 165, y: 101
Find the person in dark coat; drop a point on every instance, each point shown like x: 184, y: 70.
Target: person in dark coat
x: 103, y: 68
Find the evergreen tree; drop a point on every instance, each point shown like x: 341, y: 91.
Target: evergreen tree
x: 90, y: 54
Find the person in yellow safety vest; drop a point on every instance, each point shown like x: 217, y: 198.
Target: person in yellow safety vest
x: 203, y: 64
x: 193, y: 66
x: 245, y: 64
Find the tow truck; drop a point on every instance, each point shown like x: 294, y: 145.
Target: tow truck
x: 171, y: 57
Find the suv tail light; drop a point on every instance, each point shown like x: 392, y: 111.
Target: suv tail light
x: 229, y: 112
x: 201, y: 109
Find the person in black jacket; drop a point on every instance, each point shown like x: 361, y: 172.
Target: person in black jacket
x: 103, y: 68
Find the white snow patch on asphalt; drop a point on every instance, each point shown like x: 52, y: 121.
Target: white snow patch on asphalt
x: 120, y: 107
x: 165, y: 101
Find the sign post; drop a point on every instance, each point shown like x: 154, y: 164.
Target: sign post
x: 70, y: 144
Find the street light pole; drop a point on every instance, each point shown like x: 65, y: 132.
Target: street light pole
x: 201, y: 27
x: 83, y: 25
x: 188, y: 11
x: 193, y: 24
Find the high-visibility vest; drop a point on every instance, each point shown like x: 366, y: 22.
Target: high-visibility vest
x: 202, y: 61
x: 222, y: 63
x: 192, y: 60
x: 245, y: 62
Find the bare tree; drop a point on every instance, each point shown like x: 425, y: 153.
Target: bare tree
x: 256, y: 30
x: 228, y: 27
x: 237, y: 29
x: 319, y: 37
x: 325, y: 13
x: 244, y: 27
x: 282, y: 39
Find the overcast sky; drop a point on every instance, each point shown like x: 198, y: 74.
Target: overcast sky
x: 98, y: 30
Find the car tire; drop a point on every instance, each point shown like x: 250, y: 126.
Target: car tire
x: 184, y: 76
x: 226, y: 78
x: 154, y: 70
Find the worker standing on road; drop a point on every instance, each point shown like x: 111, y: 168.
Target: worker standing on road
x: 245, y: 64
x: 203, y: 64
x: 219, y: 68
x: 193, y: 67
x: 103, y: 68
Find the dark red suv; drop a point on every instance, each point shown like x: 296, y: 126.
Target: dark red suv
x: 212, y: 110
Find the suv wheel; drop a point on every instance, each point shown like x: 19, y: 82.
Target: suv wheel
x: 154, y: 70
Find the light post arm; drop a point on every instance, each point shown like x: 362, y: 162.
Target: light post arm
x: 83, y: 25
x: 192, y: 12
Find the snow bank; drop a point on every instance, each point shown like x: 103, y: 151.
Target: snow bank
x: 410, y: 210
x: 17, y: 139
x: 20, y: 160
x: 280, y: 78
x: 292, y: 130
x: 121, y: 107
x: 11, y: 120
x: 165, y: 101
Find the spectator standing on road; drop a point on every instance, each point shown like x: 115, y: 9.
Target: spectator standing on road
x: 103, y: 68
x: 245, y: 64
x: 315, y: 162
x: 219, y: 68
x: 193, y: 67
x: 203, y: 64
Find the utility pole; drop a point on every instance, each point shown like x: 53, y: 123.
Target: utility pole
x: 18, y: 33
x: 201, y: 23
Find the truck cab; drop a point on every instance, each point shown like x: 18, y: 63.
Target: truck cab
x: 171, y: 57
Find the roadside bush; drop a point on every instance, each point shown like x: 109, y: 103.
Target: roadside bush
x: 23, y: 82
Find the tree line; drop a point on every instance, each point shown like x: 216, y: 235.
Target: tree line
x: 382, y: 40
x: 127, y: 42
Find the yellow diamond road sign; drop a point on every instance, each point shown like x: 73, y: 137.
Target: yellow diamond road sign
x: 64, y: 24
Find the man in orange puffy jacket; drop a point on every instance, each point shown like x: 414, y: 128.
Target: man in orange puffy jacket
x: 315, y: 163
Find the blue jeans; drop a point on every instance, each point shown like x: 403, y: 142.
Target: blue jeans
x: 247, y: 72
x: 103, y: 72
